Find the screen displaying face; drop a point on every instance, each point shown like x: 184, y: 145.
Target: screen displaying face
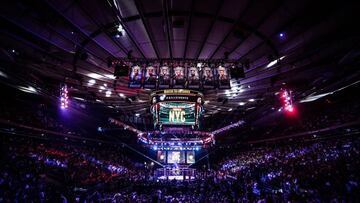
x: 161, y: 156
x: 175, y: 157
x: 190, y: 157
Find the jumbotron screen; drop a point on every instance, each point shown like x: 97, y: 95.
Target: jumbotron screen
x: 176, y: 157
x: 176, y: 107
x: 177, y: 113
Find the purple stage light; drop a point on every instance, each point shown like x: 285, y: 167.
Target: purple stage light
x: 64, y: 99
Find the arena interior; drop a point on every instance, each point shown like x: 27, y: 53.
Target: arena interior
x: 174, y: 101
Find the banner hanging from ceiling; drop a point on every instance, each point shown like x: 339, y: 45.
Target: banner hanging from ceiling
x: 193, y: 78
x: 223, y: 77
x: 150, y: 77
x: 178, y: 77
x: 135, y: 77
x: 208, y: 78
x: 164, y: 77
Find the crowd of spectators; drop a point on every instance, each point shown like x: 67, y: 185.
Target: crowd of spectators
x: 308, y: 120
x: 41, y: 169
x: 37, y: 116
x: 303, y: 172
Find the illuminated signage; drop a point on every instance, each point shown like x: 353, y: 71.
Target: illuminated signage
x: 176, y: 115
x: 177, y: 91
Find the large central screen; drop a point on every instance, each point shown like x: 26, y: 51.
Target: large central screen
x: 176, y: 107
x: 176, y: 157
x: 177, y: 113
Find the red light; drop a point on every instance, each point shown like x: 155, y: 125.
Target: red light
x: 287, y: 101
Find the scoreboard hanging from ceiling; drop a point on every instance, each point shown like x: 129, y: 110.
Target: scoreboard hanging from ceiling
x: 176, y: 107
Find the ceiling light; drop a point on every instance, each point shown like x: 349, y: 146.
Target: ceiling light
x: 64, y: 97
x: 272, y: 63
x: 79, y: 98
x: 91, y: 82
x: 120, y: 28
x: 102, y: 87
x: 251, y: 100
x: 105, y: 85
x: 94, y: 75
x: 230, y: 109
x: 242, y: 103
x: 28, y: 89
x: 108, y: 93
x: 2, y: 74
x: 313, y: 97
x: 110, y: 76
x: 137, y: 114
x: 121, y: 95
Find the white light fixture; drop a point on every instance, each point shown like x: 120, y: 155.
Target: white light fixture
x: 102, y: 87
x: 91, y: 82
x: 27, y: 89
x: 272, y: 63
x: 120, y: 28
x: 94, y: 75
x: 2, y: 74
x: 230, y: 109
x: 110, y: 76
x: 108, y: 93
x: 79, y: 98
x: 121, y: 95
x: 251, y: 100
x: 137, y: 114
x: 242, y: 103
